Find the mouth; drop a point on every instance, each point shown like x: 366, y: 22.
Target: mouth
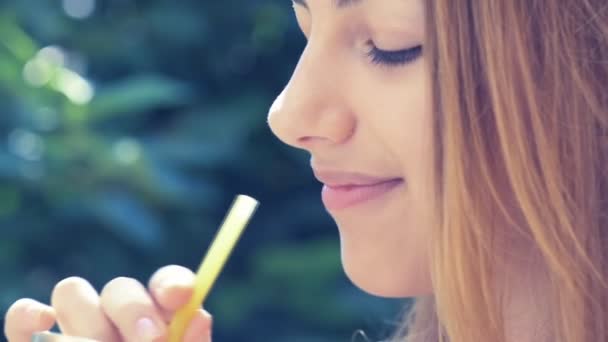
x: 339, y: 197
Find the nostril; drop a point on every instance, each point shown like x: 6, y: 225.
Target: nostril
x: 308, y: 141
x: 305, y: 140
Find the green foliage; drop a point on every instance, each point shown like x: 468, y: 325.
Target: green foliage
x: 127, y: 133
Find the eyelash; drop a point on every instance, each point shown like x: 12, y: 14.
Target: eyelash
x: 393, y: 58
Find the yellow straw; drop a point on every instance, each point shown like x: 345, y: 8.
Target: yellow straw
x: 237, y: 218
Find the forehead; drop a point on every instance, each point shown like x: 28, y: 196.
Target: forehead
x: 398, y: 9
x: 340, y: 4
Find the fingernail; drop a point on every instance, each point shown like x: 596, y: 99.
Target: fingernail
x: 177, y: 282
x: 172, y: 285
x: 147, y: 330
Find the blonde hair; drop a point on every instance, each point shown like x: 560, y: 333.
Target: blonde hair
x: 520, y: 91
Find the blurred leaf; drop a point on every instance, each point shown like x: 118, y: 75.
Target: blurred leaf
x: 138, y: 94
x: 15, y: 40
x: 295, y: 264
x: 181, y: 149
x: 180, y: 188
x: 128, y: 218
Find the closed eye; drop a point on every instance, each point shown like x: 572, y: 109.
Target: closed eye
x: 393, y: 58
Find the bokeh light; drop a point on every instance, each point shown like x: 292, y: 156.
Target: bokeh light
x: 79, y: 9
x: 25, y: 144
x: 47, y: 66
x: 37, y: 72
x: 74, y: 86
x: 127, y: 151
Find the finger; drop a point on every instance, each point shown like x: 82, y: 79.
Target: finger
x: 199, y: 329
x: 79, y: 311
x: 25, y: 317
x: 132, y: 310
x: 171, y: 287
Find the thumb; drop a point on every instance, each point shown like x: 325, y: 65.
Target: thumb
x: 199, y: 328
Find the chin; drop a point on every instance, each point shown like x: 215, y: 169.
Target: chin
x: 388, y: 280
x: 378, y: 288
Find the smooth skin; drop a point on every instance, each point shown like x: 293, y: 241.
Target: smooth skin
x: 125, y: 310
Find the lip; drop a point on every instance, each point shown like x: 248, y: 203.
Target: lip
x: 346, y: 189
x: 340, y: 179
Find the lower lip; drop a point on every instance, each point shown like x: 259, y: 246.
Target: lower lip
x: 341, y: 197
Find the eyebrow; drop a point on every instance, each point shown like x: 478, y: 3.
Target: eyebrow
x: 340, y: 4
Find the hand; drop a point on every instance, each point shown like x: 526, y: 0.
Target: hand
x: 124, y: 311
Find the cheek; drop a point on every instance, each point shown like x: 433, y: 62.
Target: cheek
x: 416, y: 138
x: 387, y: 254
x: 402, y: 118
x: 408, y: 128
x: 412, y: 135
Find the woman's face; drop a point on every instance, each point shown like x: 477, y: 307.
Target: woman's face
x: 359, y: 102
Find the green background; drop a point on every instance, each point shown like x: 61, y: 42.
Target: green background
x: 128, y: 126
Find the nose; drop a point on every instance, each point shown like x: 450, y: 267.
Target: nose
x: 312, y: 111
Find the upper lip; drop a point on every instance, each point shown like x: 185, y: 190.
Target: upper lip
x: 343, y: 178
